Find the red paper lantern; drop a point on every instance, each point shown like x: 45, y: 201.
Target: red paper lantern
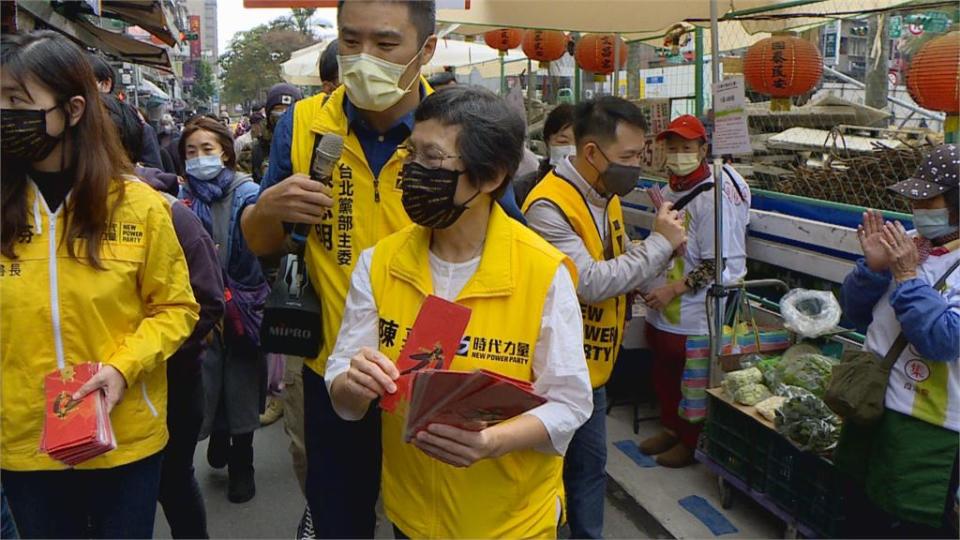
x: 503, y: 39
x: 545, y: 46
x: 781, y: 67
x: 934, y: 77
x: 595, y: 53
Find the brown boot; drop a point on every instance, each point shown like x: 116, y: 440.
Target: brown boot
x: 677, y: 457
x: 658, y: 444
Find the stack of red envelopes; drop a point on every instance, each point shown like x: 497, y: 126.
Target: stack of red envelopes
x: 75, y: 430
x: 432, y: 344
x: 468, y: 400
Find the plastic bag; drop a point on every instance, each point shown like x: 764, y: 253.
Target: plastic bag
x: 751, y: 360
x: 809, y: 423
x: 751, y: 394
x: 810, y: 371
x: 789, y: 392
x: 768, y: 408
x: 810, y: 313
x: 737, y: 379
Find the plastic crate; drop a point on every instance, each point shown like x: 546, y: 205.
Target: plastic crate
x: 783, y: 472
x: 810, y: 488
x: 738, y: 442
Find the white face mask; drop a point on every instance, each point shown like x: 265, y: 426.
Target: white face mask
x: 560, y: 153
x: 684, y: 163
x: 373, y: 84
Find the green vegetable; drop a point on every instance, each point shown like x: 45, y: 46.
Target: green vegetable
x: 810, y: 371
x: 808, y: 422
x: 800, y: 349
x: 768, y: 364
x: 743, y: 377
x: 751, y: 394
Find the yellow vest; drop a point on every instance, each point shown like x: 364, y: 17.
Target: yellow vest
x: 57, y: 310
x: 602, y: 322
x: 365, y: 209
x: 514, y: 496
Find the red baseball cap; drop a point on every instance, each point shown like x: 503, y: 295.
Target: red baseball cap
x: 686, y: 126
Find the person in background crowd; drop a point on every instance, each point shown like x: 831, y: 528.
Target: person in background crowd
x: 165, y: 134
x: 242, y: 126
x: 558, y: 136
x: 103, y: 71
x: 105, y: 82
x: 280, y: 98
x: 180, y: 494
x: 329, y: 68
x: 233, y: 368
x: 577, y: 209
x: 443, y: 79
x: 373, y: 112
x: 243, y: 145
x: 503, y: 481
x: 677, y: 299
x: 169, y: 139
x: 168, y: 129
x: 909, y: 460
x: 122, y: 300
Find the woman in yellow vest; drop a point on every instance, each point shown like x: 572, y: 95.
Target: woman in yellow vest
x: 503, y: 481
x: 90, y: 271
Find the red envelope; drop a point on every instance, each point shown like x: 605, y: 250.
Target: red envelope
x: 467, y: 400
x: 432, y: 343
x: 75, y: 430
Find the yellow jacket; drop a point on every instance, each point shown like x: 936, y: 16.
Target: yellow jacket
x: 59, y: 311
x: 365, y: 209
x: 515, y: 495
x: 602, y: 322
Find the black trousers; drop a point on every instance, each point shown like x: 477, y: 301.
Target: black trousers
x: 180, y: 494
x: 93, y: 503
x: 343, y: 465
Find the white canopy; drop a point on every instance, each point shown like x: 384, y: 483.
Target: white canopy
x: 303, y: 67
x: 646, y: 19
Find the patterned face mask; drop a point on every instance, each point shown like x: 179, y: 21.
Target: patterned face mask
x: 428, y: 195
x: 23, y: 134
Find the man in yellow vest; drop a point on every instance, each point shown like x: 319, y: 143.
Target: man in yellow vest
x: 383, y: 44
x: 576, y: 207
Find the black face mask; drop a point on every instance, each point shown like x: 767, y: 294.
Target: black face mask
x: 428, y: 195
x: 619, y: 179
x: 23, y: 134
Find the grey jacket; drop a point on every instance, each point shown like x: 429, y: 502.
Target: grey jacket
x: 598, y: 280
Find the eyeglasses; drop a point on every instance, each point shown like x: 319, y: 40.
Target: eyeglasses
x: 432, y: 158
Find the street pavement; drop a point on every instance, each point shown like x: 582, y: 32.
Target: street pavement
x: 276, y: 510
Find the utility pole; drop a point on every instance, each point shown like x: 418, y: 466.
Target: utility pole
x: 877, y: 79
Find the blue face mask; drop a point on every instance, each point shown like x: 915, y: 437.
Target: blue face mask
x: 204, y: 167
x: 933, y: 224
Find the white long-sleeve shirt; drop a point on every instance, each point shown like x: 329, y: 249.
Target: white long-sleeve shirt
x: 599, y: 280
x: 559, y: 367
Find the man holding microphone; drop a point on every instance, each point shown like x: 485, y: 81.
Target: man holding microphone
x: 576, y: 207
x: 383, y: 45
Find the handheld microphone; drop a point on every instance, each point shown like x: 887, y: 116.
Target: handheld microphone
x: 326, y: 154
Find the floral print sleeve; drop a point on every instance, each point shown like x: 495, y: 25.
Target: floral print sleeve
x: 701, y: 276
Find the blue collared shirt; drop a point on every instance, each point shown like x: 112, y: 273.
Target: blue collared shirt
x: 378, y: 147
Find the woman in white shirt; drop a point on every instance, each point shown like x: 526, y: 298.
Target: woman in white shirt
x: 504, y: 480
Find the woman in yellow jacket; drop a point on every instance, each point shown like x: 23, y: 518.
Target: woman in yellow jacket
x: 90, y: 271
x: 503, y: 481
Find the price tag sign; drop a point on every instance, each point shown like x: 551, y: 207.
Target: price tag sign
x: 730, y: 133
